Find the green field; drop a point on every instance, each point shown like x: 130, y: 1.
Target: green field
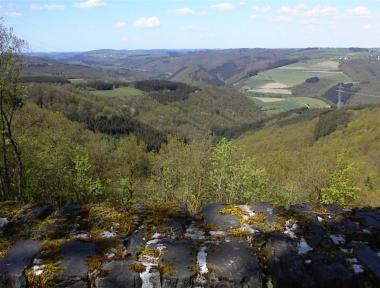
x: 273, y: 106
x: 119, y: 92
x: 293, y: 75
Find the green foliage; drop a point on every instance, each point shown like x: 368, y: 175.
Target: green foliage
x: 233, y: 180
x: 86, y: 187
x: 329, y: 122
x: 341, y: 188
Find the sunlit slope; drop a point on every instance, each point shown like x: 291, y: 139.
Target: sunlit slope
x: 300, y: 164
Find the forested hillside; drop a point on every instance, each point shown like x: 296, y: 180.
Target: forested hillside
x: 301, y: 158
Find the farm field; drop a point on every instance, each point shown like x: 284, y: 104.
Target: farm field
x: 273, y: 105
x: 119, y: 92
x: 281, y: 80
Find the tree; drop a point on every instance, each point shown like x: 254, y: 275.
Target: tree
x: 234, y: 180
x: 341, y: 187
x: 11, y: 100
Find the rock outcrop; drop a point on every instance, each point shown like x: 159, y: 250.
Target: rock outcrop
x: 256, y: 245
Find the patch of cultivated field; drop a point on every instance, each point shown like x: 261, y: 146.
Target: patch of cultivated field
x: 273, y: 88
x: 269, y: 99
x: 119, y: 92
x: 281, y: 80
x: 277, y: 105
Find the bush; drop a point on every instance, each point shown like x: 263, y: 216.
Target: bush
x: 329, y: 122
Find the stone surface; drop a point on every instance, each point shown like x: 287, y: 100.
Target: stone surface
x: 3, y: 223
x: 232, y: 264
x: 135, y: 242
x: 367, y: 256
x: 368, y: 218
x: 180, y: 255
x: 286, y: 267
x: 329, y: 271
x: 212, y: 216
x: 33, y: 213
x: 16, y: 260
x: 119, y: 275
x: 269, y: 211
x: 177, y: 225
x: 74, y: 264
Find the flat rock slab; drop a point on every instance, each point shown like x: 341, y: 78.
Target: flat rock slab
x: 285, y: 267
x: 177, y: 225
x: 181, y: 256
x: 329, y: 271
x: 368, y: 218
x: 212, y: 216
x: 74, y: 263
x: 119, y: 276
x: 367, y: 256
x: 36, y: 212
x: 14, y: 263
x: 135, y: 242
x: 269, y: 211
x: 232, y: 264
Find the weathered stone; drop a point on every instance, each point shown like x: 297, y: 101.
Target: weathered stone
x: 17, y: 259
x: 329, y: 271
x: 286, y: 268
x: 119, y: 275
x: 212, y: 216
x: 232, y: 264
x: 269, y: 211
x: 368, y: 218
x: 3, y: 223
x: 180, y: 256
x: 332, y: 274
x: 346, y: 226
x: 72, y: 210
x: 74, y: 263
x: 317, y: 236
x: 177, y: 225
x: 135, y: 242
x: 366, y: 255
x: 36, y: 212
x: 333, y: 209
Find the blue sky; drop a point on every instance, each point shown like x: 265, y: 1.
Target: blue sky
x: 79, y: 25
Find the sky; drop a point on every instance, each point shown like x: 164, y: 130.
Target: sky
x: 82, y: 25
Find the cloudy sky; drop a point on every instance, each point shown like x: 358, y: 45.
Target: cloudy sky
x: 78, y: 25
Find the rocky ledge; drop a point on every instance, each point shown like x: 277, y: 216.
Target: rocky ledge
x: 256, y: 245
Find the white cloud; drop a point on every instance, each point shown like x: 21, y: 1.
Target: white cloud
x: 243, y: 3
x: 182, y: 11
x: 119, y: 24
x: 292, y: 10
x: 223, y: 6
x: 148, y: 22
x: 320, y: 11
x: 90, y: 4
x: 262, y: 9
x: 13, y: 14
x: 40, y: 7
x: 302, y: 11
x: 360, y: 10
